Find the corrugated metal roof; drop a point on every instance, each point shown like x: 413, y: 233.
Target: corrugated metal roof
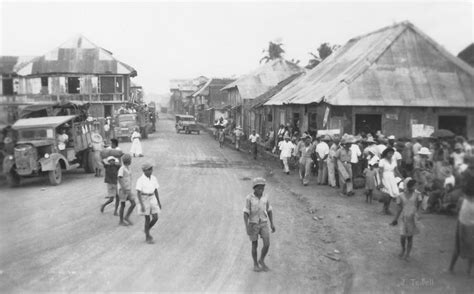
x: 8, y: 63
x: 262, y: 99
x: 49, y: 121
x: 212, y: 81
x: 78, y: 55
x: 264, y: 78
x: 394, y: 66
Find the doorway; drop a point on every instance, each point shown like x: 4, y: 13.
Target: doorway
x: 454, y: 123
x: 368, y: 123
x: 108, y: 110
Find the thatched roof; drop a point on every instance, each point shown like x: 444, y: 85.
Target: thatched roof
x: 394, y: 66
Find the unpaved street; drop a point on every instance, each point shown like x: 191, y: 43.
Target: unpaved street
x: 55, y: 238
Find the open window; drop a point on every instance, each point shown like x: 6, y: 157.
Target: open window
x: 454, y: 123
x: 7, y: 86
x: 73, y: 85
x: 44, y: 85
x: 368, y: 123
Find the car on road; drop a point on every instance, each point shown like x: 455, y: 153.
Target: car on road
x: 187, y: 124
x: 38, y: 150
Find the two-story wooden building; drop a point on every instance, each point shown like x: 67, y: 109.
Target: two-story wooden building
x: 76, y: 70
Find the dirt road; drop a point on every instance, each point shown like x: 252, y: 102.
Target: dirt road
x: 55, y: 238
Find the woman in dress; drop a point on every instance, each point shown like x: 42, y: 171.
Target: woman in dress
x: 97, y: 147
x: 388, y: 173
x: 408, y: 204
x: 136, y: 145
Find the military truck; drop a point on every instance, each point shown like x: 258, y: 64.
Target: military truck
x: 37, y: 151
x: 124, y: 125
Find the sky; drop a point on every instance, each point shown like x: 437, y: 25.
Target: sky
x: 166, y: 40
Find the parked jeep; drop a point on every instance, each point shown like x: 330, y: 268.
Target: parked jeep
x: 39, y: 149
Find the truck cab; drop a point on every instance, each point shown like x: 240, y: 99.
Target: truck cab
x: 40, y: 150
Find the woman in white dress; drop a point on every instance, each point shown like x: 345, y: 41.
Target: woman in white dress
x: 388, y: 173
x: 136, y: 145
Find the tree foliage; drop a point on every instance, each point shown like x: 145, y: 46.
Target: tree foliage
x: 323, y: 51
x: 274, y: 51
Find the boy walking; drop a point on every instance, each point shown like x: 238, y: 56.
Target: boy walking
x: 257, y: 213
x: 111, y: 166
x: 125, y: 191
x: 147, y: 192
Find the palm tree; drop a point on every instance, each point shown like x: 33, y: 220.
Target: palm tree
x: 324, y: 50
x: 274, y: 51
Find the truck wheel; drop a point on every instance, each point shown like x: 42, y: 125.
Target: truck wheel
x: 13, y: 179
x: 88, y: 161
x: 56, y: 175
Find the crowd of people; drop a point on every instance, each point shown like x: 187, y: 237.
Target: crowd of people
x: 427, y: 175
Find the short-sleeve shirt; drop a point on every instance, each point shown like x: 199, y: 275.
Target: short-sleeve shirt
x: 344, y: 155
x: 286, y: 148
x: 355, y: 153
x: 397, y: 156
x: 147, y: 185
x: 126, y: 175
x: 257, y: 208
x: 322, y: 149
x: 253, y: 138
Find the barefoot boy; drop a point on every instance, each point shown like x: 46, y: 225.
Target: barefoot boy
x: 257, y: 213
x: 111, y: 166
x: 147, y: 192
x: 125, y: 192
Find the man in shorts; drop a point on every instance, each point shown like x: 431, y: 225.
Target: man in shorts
x: 257, y: 213
x: 125, y: 191
x: 148, y: 197
x: 111, y: 166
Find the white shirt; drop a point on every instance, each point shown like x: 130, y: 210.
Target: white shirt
x: 355, y: 153
x: 147, y: 185
x: 322, y: 149
x: 380, y: 149
x: 286, y: 148
x: 253, y: 138
x: 397, y: 156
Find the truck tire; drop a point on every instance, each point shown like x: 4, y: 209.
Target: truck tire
x: 56, y: 175
x: 13, y: 179
x: 88, y: 161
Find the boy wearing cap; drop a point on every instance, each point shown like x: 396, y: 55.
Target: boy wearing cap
x: 111, y: 166
x: 147, y: 192
x: 125, y: 191
x: 257, y: 213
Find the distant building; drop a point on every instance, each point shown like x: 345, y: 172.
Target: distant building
x: 388, y: 80
x: 182, y: 90
x: 77, y: 70
x: 468, y: 55
x: 248, y: 87
x: 210, y: 102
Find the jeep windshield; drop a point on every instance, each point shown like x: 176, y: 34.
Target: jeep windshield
x: 126, y: 118
x: 36, y: 134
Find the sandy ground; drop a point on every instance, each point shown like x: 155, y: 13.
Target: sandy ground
x: 55, y: 238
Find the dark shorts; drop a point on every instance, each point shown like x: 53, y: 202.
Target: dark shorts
x: 259, y: 229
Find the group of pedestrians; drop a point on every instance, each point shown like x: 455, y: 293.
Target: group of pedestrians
x: 395, y: 171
